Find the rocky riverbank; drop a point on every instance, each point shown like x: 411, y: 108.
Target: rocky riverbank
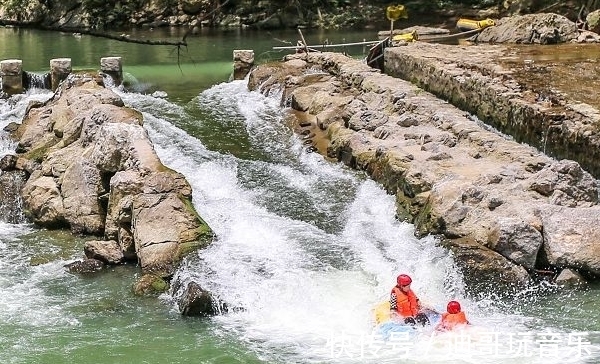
x: 104, y: 16
x: 508, y: 211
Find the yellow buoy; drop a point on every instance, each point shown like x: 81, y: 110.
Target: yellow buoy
x: 395, y: 12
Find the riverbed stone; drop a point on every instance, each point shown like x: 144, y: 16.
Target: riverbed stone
x: 195, y: 301
x: 107, y: 251
x: 85, y: 266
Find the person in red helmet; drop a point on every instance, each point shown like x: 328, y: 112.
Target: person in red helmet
x: 405, y: 304
x: 452, y: 319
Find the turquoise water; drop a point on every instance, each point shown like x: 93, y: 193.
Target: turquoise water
x: 304, y: 249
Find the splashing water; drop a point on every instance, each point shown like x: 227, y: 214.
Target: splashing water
x: 306, y: 248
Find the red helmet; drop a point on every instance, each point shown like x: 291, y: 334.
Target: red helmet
x: 453, y: 307
x: 403, y: 280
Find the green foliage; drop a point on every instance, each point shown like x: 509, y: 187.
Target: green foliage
x: 14, y: 8
x: 351, y: 16
x: 102, y: 14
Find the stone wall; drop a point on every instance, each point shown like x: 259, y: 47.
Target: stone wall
x: 474, y: 79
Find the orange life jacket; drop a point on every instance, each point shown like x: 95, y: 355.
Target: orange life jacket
x: 451, y: 320
x: 407, y: 304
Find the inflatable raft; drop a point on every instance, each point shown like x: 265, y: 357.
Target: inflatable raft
x: 387, y: 327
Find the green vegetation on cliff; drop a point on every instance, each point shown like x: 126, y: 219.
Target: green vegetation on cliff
x: 102, y: 15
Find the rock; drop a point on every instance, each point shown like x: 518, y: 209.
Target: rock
x: 517, y: 240
x: 542, y: 28
x: 94, y: 169
x: 485, y: 269
x: 85, y: 266
x: 81, y: 185
x: 193, y: 7
x: 11, y: 127
x: 500, y: 205
x: 43, y: 202
x: 570, y: 279
x: 566, y: 184
x: 108, y: 252
x: 593, y: 21
x: 571, y: 238
x: 367, y: 120
x: 164, y: 230
x: 195, y: 301
x: 8, y: 162
x: 150, y: 284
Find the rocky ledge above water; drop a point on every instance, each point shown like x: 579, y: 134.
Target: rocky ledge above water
x: 91, y: 167
x: 507, y: 211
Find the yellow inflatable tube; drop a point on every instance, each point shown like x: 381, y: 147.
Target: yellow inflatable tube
x: 407, y: 37
x: 382, y: 312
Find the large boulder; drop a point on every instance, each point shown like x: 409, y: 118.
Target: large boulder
x: 544, y: 28
x: 571, y: 238
x: 97, y: 173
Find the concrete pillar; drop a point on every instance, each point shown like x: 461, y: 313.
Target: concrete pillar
x: 243, y: 60
x: 11, y: 71
x: 113, y: 67
x: 60, y: 68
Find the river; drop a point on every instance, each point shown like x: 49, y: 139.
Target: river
x: 304, y: 247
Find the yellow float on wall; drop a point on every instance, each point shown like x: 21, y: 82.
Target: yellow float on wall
x: 468, y: 24
x: 407, y: 37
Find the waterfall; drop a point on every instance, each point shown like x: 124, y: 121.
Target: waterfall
x: 11, y: 204
x: 12, y: 110
x: 34, y: 80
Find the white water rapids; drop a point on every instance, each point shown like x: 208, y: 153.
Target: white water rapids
x: 304, y: 249
x: 306, y: 281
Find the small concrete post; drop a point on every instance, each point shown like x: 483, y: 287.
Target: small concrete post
x: 11, y: 71
x: 243, y: 60
x: 113, y: 67
x: 60, y: 68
